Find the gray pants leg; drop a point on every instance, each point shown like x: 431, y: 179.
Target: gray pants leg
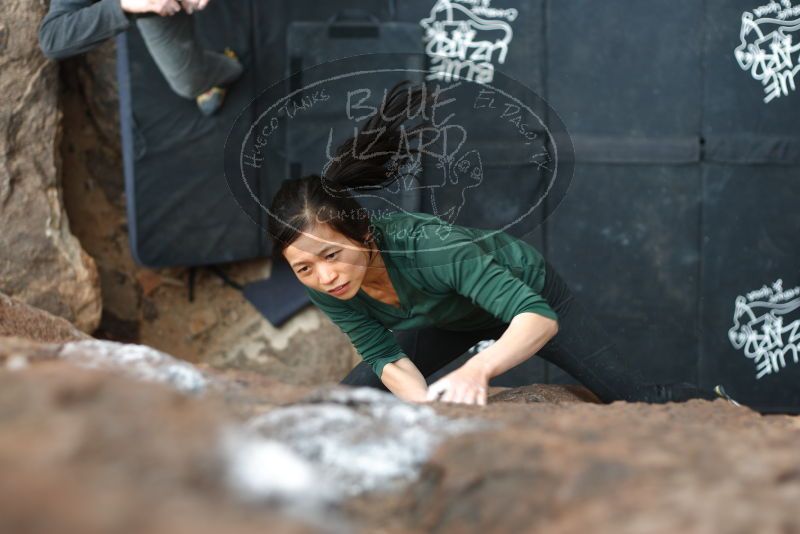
x: 188, y: 68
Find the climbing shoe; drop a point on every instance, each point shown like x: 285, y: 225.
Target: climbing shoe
x: 722, y: 394
x: 209, y: 102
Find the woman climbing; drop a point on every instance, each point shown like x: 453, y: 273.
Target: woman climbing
x: 413, y: 293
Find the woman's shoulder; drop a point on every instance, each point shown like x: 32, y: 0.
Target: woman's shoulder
x: 427, y: 240
x: 421, y: 238
x: 398, y: 222
x: 403, y: 233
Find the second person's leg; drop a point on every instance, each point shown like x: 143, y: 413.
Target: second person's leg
x: 187, y: 67
x: 584, y: 350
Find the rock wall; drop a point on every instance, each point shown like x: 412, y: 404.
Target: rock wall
x: 41, y: 262
x: 87, y: 452
x: 245, y: 454
x: 20, y: 320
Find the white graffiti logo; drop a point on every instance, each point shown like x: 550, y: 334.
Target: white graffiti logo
x: 452, y: 42
x: 762, y: 329
x: 767, y: 48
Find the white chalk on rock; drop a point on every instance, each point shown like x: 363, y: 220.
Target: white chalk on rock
x: 139, y: 361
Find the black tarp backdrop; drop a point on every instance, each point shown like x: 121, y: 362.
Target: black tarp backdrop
x: 350, y: 32
x: 685, y: 192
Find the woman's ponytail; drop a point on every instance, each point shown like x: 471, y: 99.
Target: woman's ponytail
x: 372, y: 159
x: 361, y: 161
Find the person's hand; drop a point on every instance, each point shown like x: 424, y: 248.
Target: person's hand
x: 465, y: 385
x: 165, y: 8
x: 190, y: 6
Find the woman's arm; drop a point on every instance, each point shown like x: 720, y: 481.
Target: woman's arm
x: 526, y: 334
x: 376, y: 345
x: 75, y: 26
x: 404, y: 380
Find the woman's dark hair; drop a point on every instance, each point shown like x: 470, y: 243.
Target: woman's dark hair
x: 359, y: 163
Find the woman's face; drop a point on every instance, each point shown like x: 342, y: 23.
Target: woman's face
x: 324, y: 259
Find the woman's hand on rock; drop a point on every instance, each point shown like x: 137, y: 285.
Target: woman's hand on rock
x: 465, y: 385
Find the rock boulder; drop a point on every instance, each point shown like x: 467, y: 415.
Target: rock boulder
x: 41, y: 262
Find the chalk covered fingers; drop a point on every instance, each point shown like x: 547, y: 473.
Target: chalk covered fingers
x: 463, y: 386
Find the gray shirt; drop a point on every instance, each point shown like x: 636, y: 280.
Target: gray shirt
x: 75, y: 26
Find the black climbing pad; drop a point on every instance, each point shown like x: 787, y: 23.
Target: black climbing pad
x: 278, y: 297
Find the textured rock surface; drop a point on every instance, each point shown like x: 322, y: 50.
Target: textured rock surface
x: 41, y: 262
x: 247, y: 394
x: 173, y: 461
x: 251, y: 454
x: 621, y: 468
x: 348, y: 441
x: 341, y: 441
x: 19, y: 319
x: 86, y: 452
x: 94, y: 185
x: 139, y: 361
x: 544, y: 393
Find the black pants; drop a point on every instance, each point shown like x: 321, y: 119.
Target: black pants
x: 581, y: 348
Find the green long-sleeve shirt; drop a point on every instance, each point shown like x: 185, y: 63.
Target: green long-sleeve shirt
x: 462, y: 280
